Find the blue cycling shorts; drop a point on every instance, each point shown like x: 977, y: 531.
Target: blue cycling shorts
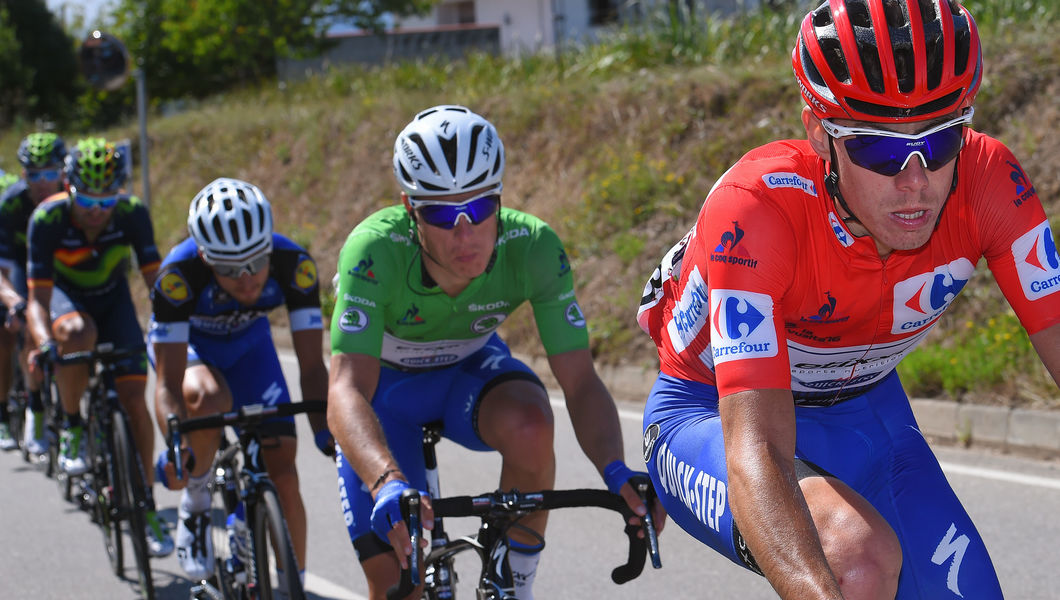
x: 871, y: 442
x: 406, y: 401
x: 251, y: 368
x: 115, y: 318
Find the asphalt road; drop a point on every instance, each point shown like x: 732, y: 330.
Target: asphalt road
x: 50, y: 548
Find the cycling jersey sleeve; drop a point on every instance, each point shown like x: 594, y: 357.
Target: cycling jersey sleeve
x: 1017, y: 240
x: 41, y: 238
x: 559, y: 318
x: 746, y: 250
x: 366, y: 273
x: 296, y: 272
x: 12, y: 226
x: 141, y: 233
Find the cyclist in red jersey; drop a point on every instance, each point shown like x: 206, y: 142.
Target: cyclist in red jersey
x: 777, y: 432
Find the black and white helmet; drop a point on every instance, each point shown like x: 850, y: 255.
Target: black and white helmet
x: 447, y: 150
x: 231, y: 221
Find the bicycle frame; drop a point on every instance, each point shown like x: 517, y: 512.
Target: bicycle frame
x: 498, y: 512
x: 240, y: 476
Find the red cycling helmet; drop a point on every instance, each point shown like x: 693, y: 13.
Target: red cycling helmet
x: 888, y: 61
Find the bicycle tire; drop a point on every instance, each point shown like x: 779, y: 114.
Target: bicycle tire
x: 132, y: 498
x: 108, y: 484
x: 16, y: 420
x: 269, y: 532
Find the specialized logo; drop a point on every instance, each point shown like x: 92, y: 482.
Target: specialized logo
x: 729, y: 249
x: 353, y: 320
x: 689, y: 315
x: 919, y: 300
x: 272, y: 394
x: 173, y: 288
x: 1024, y: 189
x: 840, y: 231
x: 363, y: 270
x: 741, y: 325
x: 574, y: 315
x: 951, y: 547
x: 650, y: 435
x: 305, y: 274
x: 412, y: 316
x: 487, y: 323
x: 1037, y: 262
x: 789, y: 180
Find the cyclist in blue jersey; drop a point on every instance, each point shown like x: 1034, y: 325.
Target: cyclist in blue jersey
x: 79, y: 251
x: 41, y: 155
x: 213, y: 351
x: 422, y: 288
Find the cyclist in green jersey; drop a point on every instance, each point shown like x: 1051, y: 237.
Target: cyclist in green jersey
x: 422, y: 288
x: 41, y: 155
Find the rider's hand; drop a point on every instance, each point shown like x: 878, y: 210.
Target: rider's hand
x: 47, y: 352
x: 617, y: 476
x: 387, y: 523
x: 166, y: 471
x: 16, y: 317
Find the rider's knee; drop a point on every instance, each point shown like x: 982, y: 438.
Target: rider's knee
x: 77, y: 333
x: 865, y: 557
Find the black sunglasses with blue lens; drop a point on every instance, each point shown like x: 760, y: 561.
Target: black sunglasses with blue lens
x: 446, y: 215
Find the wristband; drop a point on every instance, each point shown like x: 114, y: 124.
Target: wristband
x: 616, y: 474
x: 382, y: 478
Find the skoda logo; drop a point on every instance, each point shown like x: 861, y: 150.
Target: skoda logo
x: 487, y: 323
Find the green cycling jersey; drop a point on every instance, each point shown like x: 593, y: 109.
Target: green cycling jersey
x: 387, y: 307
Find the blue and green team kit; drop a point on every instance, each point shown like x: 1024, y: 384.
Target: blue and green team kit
x: 388, y: 308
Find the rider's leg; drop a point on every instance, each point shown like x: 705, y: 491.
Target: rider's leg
x: 205, y: 393
x: 516, y: 419
x: 861, y: 548
x: 75, y: 332
x: 7, y: 348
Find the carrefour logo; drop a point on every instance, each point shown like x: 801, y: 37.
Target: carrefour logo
x: 789, y: 180
x: 1037, y: 262
x: 919, y: 300
x: 741, y: 325
x: 690, y: 312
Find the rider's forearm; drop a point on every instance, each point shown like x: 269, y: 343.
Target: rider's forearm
x: 1047, y: 344
x: 596, y: 423
x: 768, y: 505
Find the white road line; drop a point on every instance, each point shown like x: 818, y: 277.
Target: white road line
x: 326, y: 589
x: 1033, y: 480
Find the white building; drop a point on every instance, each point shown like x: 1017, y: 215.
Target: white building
x: 534, y: 25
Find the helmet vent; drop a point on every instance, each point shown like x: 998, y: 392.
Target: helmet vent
x: 962, y: 43
x: 415, y: 138
x: 473, y: 145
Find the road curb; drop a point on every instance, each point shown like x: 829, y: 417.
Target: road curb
x: 1024, y: 431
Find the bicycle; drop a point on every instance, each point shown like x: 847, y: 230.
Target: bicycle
x: 113, y: 490
x: 240, y: 479
x: 499, y: 511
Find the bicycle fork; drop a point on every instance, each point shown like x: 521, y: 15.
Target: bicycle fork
x: 439, y: 577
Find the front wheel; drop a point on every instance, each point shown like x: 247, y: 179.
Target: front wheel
x: 275, y: 566
x: 131, y: 497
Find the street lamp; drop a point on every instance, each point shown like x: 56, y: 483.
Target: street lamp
x: 105, y: 64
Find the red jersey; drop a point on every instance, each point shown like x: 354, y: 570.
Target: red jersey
x: 771, y: 290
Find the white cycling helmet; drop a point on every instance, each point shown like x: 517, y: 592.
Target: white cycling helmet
x: 447, y: 150
x: 231, y: 221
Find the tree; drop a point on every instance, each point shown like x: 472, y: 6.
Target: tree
x: 39, y: 73
x: 198, y: 47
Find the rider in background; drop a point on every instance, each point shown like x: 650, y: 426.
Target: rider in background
x: 777, y: 432
x: 42, y: 156
x: 422, y: 288
x: 213, y: 351
x: 79, y: 252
